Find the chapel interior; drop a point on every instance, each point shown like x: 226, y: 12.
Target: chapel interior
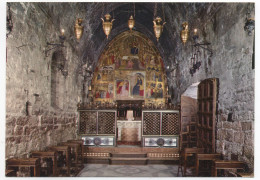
x: 129, y: 85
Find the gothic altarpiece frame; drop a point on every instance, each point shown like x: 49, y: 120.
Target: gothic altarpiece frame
x: 130, y: 68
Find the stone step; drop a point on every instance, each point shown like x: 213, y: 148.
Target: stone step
x: 129, y: 155
x: 128, y: 161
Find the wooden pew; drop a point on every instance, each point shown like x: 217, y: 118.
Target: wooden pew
x: 47, y: 154
x: 10, y: 173
x: 76, y: 151
x: 25, y: 162
x: 67, y: 151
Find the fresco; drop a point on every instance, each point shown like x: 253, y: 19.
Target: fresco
x: 130, y: 68
x: 122, y: 88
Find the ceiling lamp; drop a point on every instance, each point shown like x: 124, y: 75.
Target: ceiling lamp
x: 78, y: 28
x: 158, y: 27
x: 107, y: 24
x: 184, y: 32
x: 131, y: 23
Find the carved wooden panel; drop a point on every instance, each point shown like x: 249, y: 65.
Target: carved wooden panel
x: 160, y: 123
x: 88, y: 122
x: 96, y: 122
x: 106, y: 123
x: 207, y: 99
x: 151, y: 123
x: 170, y: 123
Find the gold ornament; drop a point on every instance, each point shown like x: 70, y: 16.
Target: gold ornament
x: 184, y: 32
x: 107, y: 24
x: 158, y: 27
x: 78, y: 28
x: 131, y: 23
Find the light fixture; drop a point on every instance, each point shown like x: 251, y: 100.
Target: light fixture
x: 204, y: 45
x: 9, y: 21
x: 250, y: 22
x: 107, y: 24
x: 249, y: 26
x: 158, y: 27
x: 131, y: 23
x: 78, y: 28
x: 56, y: 45
x: 184, y: 32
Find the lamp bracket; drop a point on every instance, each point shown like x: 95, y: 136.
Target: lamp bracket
x: 53, y: 46
x: 204, y: 46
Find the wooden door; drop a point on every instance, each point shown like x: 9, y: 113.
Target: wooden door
x: 207, y: 104
x: 188, y: 133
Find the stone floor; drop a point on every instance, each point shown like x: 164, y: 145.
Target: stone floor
x: 103, y: 170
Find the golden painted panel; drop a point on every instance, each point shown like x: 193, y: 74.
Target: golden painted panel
x: 130, y: 68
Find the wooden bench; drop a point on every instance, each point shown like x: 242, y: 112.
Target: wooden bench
x: 47, y: 154
x: 245, y: 175
x: 75, y: 151
x: 25, y: 162
x: 205, y: 157
x: 10, y: 173
x: 80, y: 142
x: 190, y: 152
x: 66, y: 150
x: 226, y: 164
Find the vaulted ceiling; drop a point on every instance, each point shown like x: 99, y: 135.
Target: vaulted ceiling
x: 94, y: 40
x: 174, y: 13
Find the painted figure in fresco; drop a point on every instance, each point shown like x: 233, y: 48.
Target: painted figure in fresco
x: 130, y: 64
x: 98, y: 77
x: 160, y: 91
x: 138, y: 88
x: 117, y: 62
x: 123, y: 88
x: 149, y: 91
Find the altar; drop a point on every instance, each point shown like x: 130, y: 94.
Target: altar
x: 129, y: 131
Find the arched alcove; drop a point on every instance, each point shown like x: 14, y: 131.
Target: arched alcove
x: 130, y: 68
x: 57, y: 79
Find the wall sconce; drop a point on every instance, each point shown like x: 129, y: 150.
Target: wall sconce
x: 204, y: 46
x: 250, y: 22
x: 184, y: 32
x: 107, y: 24
x: 56, y: 45
x: 78, y: 28
x: 9, y: 21
x: 158, y: 27
x: 249, y: 26
x: 172, y: 69
x: 131, y: 23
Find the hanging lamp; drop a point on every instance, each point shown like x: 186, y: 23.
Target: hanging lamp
x: 78, y: 28
x: 157, y: 23
x: 184, y: 32
x: 107, y: 24
x: 131, y: 21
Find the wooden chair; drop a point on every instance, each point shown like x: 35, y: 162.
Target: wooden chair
x: 226, y: 164
x: 190, y: 152
x: 180, y: 164
x: 205, y: 157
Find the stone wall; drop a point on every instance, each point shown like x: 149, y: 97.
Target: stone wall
x: 29, y: 78
x: 231, y: 63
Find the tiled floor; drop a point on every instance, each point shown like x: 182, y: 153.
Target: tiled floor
x: 103, y: 170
